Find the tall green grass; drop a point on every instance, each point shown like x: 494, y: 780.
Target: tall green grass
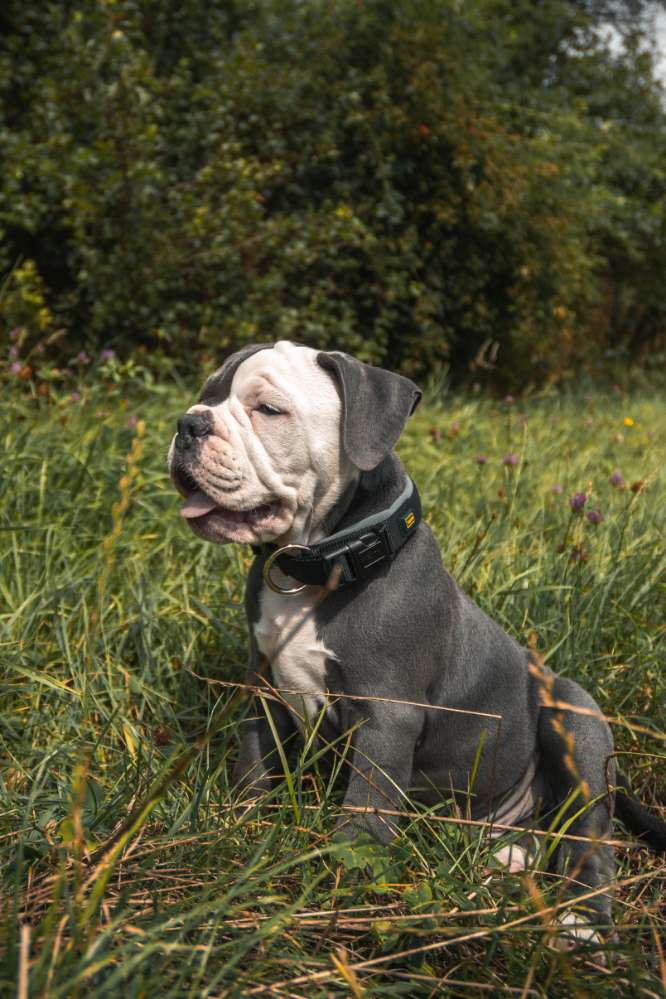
x: 124, y: 868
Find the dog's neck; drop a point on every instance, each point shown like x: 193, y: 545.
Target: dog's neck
x: 371, y: 491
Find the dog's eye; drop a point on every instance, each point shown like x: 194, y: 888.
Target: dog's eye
x: 268, y: 410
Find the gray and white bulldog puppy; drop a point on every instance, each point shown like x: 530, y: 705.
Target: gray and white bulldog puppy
x: 288, y: 445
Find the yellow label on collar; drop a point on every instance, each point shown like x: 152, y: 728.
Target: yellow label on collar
x: 409, y: 520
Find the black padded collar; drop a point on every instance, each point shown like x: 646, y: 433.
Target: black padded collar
x: 357, y: 549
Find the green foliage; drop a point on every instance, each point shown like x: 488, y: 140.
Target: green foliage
x: 109, y: 605
x: 419, y: 180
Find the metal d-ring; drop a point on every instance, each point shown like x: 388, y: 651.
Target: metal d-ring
x: 268, y: 565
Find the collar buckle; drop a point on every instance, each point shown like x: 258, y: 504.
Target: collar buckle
x: 367, y: 551
x: 358, y: 557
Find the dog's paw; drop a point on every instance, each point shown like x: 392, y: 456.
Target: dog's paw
x: 575, y: 930
x: 248, y: 798
x: 512, y: 858
x: 364, y: 827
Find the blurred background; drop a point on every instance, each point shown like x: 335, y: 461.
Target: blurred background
x: 475, y: 186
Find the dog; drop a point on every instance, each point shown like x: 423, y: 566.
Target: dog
x: 290, y: 450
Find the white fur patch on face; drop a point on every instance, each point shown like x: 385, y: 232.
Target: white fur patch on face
x: 273, y: 465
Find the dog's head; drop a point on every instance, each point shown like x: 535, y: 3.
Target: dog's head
x: 278, y: 435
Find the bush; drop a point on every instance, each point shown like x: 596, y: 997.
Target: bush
x: 416, y: 182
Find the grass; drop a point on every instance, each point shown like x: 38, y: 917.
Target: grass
x: 124, y: 869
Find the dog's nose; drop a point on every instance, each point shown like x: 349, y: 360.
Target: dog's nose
x: 190, y: 427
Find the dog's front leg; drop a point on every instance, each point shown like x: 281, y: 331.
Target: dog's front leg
x: 259, y: 764
x: 380, y: 770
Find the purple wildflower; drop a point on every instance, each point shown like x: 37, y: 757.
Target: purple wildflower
x: 75, y: 396
x: 510, y: 459
x: 15, y: 367
x: 557, y: 489
x: 13, y: 352
x: 481, y: 459
x: 15, y: 333
x: 509, y: 400
x: 82, y: 357
x: 578, y: 554
x: 107, y: 354
x: 616, y: 479
x: 577, y: 502
x: 595, y: 516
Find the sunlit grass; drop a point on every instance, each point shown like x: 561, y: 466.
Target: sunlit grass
x: 124, y: 869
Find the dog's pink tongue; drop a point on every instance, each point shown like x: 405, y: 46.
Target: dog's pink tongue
x: 197, y: 505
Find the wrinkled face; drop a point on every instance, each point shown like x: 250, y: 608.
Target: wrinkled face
x: 266, y: 462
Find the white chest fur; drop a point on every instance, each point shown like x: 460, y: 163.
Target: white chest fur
x: 286, y: 635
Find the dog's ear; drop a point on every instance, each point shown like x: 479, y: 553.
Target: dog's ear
x: 217, y: 387
x: 375, y: 407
